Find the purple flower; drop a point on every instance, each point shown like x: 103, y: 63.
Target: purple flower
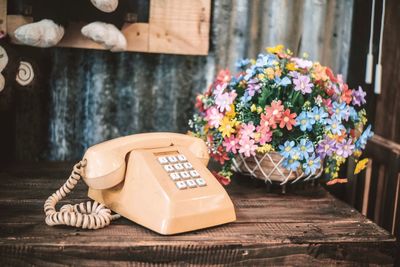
x: 345, y: 148
x: 302, y: 63
x: 302, y: 83
x: 359, y: 97
x: 253, y: 87
x: 326, y: 147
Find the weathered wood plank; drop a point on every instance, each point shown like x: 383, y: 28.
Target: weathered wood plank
x: 309, y: 227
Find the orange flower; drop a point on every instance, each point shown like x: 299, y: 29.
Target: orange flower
x: 346, y: 94
x: 288, y: 119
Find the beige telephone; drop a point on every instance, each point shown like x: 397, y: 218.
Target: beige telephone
x: 158, y: 180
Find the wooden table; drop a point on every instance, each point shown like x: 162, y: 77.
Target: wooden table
x: 306, y: 228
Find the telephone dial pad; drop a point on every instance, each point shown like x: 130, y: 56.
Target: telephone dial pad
x: 181, y: 171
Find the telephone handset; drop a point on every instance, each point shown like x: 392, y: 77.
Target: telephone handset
x: 158, y: 180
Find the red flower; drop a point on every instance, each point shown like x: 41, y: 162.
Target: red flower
x: 288, y: 119
x: 221, y: 179
x: 220, y: 155
x: 330, y: 74
x: 224, y: 76
x: 346, y: 94
x: 199, y: 103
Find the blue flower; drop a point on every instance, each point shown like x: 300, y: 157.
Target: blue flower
x: 340, y: 111
x: 362, y: 141
x: 283, y: 82
x: 305, y: 147
x: 245, y: 98
x: 353, y: 114
x: 264, y: 61
x: 317, y: 115
x: 250, y: 72
x: 334, y: 126
x: 286, y: 149
x: 304, y: 122
x: 312, y: 165
x: 291, y: 164
x: 242, y: 64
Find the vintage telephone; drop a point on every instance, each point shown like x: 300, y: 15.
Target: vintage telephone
x: 158, y: 180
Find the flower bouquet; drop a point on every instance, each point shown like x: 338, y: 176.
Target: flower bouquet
x: 281, y: 118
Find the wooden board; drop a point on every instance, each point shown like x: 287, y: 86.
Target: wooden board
x: 175, y: 27
x: 305, y: 228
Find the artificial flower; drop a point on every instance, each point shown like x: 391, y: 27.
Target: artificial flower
x: 304, y: 122
x: 225, y: 100
x: 303, y: 84
x: 231, y: 144
x: 247, y: 146
x: 361, y: 165
x: 359, y: 97
x: 287, y: 120
x: 312, y: 165
x: 345, y: 148
x: 286, y: 149
x: 214, y: 117
x: 227, y: 126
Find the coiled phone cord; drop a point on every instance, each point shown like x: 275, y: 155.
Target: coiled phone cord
x: 89, y: 215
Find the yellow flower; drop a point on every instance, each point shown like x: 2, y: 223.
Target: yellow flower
x: 278, y: 71
x: 265, y: 149
x: 270, y: 73
x: 357, y: 153
x: 289, y: 52
x: 291, y: 66
x: 361, y: 165
x: 259, y: 110
x: 253, y: 108
x: 253, y: 61
x: 232, y: 113
x: 305, y: 55
x: 227, y: 126
x: 260, y: 76
x: 276, y: 49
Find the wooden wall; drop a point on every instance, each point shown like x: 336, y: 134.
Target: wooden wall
x: 85, y: 97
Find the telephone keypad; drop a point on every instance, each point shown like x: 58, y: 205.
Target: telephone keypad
x: 163, y: 160
x: 188, y: 165
x: 185, y: 174
x: 181, y: 171
x: 181, y: 185
x: 181, y: 157
x: 179, y: 166
x: 201, y: 182
x: 191, y: 183
x: 175, y: 176
x: 169, y: 168
x: 172, y: 159
x: 194, y: 173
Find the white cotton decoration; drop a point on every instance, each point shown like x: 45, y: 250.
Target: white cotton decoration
x: 44, y: 33
x: 105, y: 5
x: 106, y: 34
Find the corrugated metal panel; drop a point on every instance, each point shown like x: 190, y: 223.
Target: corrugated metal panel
x: 96, y: 95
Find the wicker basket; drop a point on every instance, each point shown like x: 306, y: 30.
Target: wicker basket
x: 268, y: 167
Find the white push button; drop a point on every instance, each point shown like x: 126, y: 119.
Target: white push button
x: 194, y: 173
x: 163, y: 160
x: 175, y: 176
x: 172, y: 159
x: 168, y: 168
x: 191, y: 183
x: 188, y: 166
x: 185, y: 175
x: 181, y: 185
x: 201, y: 182
x: 181, y: 157
x: 178, y: 166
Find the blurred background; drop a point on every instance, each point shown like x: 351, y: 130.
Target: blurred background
x: 82, y: 97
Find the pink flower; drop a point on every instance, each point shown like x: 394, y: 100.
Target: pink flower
x: 303, y: 84
x: 219, y: 89
x: 213, y: 117
x: 247, y: 130
x: 224, y: 101
x: 302, y: 63
x: 265, y: 135
x: 231, y: 144
x: 247, y: 147
x: 273, y: 113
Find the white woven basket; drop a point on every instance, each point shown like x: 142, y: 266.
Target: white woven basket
x: 268, y: 167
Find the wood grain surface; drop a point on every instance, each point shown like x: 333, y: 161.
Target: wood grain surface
x: 309, y: 227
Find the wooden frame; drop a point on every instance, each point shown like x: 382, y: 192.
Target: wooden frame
x: 175, y: 27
